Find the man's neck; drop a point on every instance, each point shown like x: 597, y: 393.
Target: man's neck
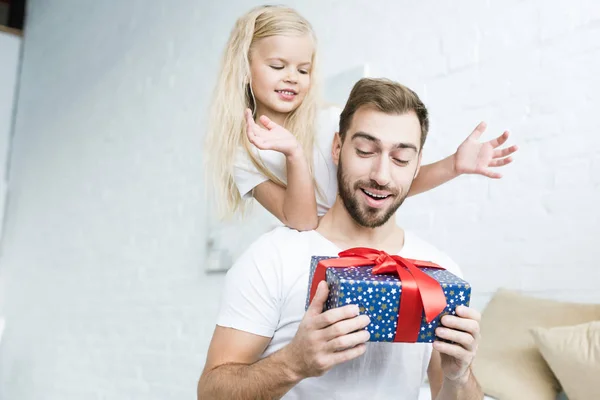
x: 340, y: 228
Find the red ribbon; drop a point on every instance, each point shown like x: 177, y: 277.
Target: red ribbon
x: 419, y: 290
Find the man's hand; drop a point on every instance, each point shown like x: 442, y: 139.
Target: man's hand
x: 326, y: 339
x: 463, y: 330
x: 474, y: 157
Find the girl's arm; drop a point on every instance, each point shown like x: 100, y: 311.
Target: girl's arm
x: 296, y: 204
x: 471, y: 157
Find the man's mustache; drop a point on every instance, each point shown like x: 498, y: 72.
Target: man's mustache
x: 374, y: 185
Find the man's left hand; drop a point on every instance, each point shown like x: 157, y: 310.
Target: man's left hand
x: 463, y: 330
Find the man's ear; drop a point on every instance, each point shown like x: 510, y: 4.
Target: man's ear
x: 418, y: 164
x: 336, y: 148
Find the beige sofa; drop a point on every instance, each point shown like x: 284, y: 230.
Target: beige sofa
x: 533, y: 349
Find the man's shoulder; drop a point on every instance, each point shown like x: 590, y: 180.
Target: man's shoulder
x: 420, y: 249
x: 275, y: 246
x: 282, y: 236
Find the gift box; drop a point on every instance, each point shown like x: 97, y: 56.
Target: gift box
x: 404, y: 298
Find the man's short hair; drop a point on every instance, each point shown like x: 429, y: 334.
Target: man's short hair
x: 386, y: 96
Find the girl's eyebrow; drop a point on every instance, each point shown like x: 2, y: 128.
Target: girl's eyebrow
x: 283, y: 60
x: 276, y: 59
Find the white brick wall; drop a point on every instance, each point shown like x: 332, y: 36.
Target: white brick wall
x: 105, y: 292
x: 10, y: 48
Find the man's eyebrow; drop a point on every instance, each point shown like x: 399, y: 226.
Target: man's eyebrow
x: 371, y: 138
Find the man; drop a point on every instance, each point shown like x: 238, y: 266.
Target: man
x: 266, y: 346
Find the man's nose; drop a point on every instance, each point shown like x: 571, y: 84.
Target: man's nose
x: 380, y: 172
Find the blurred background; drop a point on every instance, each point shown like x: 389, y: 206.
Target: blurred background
x: 107, y: 281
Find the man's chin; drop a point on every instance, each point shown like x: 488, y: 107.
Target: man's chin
x: 373, y: 217
x: 367, y: 209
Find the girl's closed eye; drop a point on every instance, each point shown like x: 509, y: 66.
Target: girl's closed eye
x: 277, y: 67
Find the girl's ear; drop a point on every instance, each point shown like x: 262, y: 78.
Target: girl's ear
x: 336, y: 148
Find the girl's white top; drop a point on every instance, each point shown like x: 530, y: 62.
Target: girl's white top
x: 247, y: 177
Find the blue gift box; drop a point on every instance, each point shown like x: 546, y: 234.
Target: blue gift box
x: 379, y: 296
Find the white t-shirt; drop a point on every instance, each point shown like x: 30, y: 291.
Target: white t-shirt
x: 265, y: 293
x: 247, y: 177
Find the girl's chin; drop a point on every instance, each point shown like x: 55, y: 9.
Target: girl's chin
x: 283, y: 108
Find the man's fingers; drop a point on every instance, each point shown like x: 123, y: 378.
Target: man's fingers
x: 349, y: 354
x: 464, y: 339
x: 468, y: 312
x: 461, y: 324
x: 467, y: 320
x: 345, y: 326
x: 334, y: 315
x: 452, y: 350
x: 348, y: 341
x: 318, y: 301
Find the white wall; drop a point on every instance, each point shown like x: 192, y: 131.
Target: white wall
x: 105, y: 292
x: 10, y: 49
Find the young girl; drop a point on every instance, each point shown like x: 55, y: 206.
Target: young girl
x: 269, y: 140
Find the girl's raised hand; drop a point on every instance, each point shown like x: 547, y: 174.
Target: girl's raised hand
x: 475, y: 157
x: 271, y: 137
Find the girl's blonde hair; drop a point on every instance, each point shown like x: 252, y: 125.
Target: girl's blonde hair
x: 233, y: 94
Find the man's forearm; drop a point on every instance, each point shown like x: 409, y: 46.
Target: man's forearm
x: 269, y: 378
x: 469, y: 390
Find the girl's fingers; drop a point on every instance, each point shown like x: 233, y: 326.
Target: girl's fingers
x: 505, y: 152
x: 501, y: 162
x: 491, y: 174
x: 500, y: 140
x: 266, y: 121
x: 478, y: 131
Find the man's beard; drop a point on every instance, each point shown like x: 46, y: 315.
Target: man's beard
x: 366, y: 216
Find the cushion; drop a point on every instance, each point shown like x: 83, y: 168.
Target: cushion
x: 508, y: 364
x: 573, y: 354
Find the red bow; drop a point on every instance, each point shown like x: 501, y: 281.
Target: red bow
x: 419, y: 290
